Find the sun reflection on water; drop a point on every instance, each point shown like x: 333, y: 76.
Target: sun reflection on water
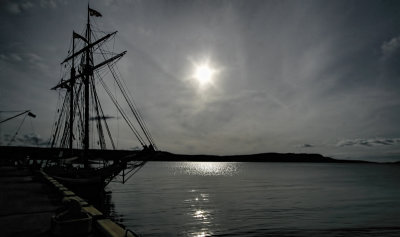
x: 210, y: 168
x: 200, y: 214
x: 200, y: 211
x: 205, y: 218
x: 201, y: 234
x: 197, y: 200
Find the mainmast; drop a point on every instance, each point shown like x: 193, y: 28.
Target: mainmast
x: 88, y: 72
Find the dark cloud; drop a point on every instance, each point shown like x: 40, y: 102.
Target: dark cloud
x: 390, y: 59
x: 369, y: 142
x: 390, y: 47
x: 306, y: 145
x: 30, y: 139
x: 49, y: 3
x: 31, y: 60
x: 17, y: 7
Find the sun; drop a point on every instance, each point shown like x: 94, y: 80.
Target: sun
x: 204, y: 74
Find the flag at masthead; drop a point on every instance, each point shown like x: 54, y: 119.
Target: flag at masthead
x: 93, y: 12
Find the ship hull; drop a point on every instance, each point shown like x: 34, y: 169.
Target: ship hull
x: 88, y: 188
x: 85, y: 183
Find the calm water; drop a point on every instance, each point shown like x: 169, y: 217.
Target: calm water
x: 260, y: 199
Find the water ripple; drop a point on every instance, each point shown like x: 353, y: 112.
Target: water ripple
x: 207, y: 168
x: 259, y: 199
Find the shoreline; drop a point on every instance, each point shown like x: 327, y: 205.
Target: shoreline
x: 18, y: 153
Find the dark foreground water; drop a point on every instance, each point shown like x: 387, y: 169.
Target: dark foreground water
x: 260, y: 199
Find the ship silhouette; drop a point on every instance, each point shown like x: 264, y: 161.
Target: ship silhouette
x: 81, y: 121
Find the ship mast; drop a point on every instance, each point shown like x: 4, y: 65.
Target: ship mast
x: 81, y: 92
x: 71, y: 102
x: 88, y: 72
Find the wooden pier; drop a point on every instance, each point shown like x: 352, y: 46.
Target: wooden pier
x: 29, y: 200
x: 27, y: 204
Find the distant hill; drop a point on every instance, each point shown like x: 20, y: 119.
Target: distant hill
x: 261, y: 157
x: 15, y: 153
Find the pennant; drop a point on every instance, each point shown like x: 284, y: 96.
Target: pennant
x: 76, y: 35
x: 94, y: 13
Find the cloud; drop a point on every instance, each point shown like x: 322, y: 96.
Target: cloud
x: 16, y: 57
x: 306, y: 145
x: 48, y: 4
x: 390, y: 47
x: 13, y: 8
x: 18, y: 7
x: 30, y: 139
x: 31, y: 59
x: 369, y: 142
x: 11, y: 57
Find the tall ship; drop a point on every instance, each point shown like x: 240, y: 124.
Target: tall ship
x: 87, y: 158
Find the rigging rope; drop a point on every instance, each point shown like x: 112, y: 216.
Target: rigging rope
x: 128, y: 100
x: 135, y: 132
x: 146, y: 130
x: 130, y: 104
x: 105, y: 122
x: 16, y: 133
x: 61, y: 127
x: 58, y: 126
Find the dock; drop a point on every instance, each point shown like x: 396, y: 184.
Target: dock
x: 27, y: 204
x: 29, y: 201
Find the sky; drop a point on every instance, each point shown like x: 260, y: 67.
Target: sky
x: 283, y: 76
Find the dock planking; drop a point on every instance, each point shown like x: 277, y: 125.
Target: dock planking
x: 26, y: 204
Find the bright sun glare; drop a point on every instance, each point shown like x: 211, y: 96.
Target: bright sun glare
x: 204, y: 74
